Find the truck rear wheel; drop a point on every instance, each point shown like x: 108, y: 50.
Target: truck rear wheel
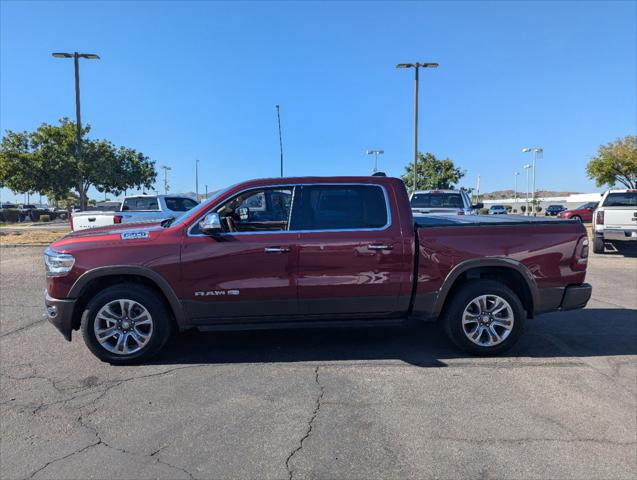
x: 598, y: 244
x: 484, y: 317
x: 126, y: 323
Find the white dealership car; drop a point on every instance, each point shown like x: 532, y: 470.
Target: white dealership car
x: 615, y: 220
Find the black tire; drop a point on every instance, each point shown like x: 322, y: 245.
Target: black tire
x: 148, y: 299
x: 598, y: 244
x: 452, y: 317
x: 576, y: 217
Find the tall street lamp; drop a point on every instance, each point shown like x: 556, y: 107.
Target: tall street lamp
x: 515, y: 194
x: 375, y: 153
x: 416, y: 66
x: 526, y: 168
x: 78, y: 124
x: 535, y: 151
x: 166, y: 168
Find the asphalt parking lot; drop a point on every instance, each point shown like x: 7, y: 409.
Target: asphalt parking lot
x: 390, y: 403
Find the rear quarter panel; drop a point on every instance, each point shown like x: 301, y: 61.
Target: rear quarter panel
x: 545, y: 250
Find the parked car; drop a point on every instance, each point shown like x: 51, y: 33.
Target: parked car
x: 497, y: 210
x: 25, y: 211
x: 134, y: 208
x: 443, y: 202
x: 309, y: 252
x: 554, y: 210
x: 583, y: 213
x: 615, y: 220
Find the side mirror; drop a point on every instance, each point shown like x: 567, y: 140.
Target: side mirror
x: 478, y: 206
x: 211, y: 224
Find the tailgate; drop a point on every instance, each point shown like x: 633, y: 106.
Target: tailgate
x: 92, y: 220
x: 620, y: 217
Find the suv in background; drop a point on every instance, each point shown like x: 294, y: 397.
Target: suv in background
x: 554, y: 210
x: 583, y: 213
x: 443, y: 202
x: 616, y: 219
x: 497, y: 210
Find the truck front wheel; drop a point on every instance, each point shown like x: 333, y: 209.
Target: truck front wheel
x: 484, y: 317
x: 126, y: 323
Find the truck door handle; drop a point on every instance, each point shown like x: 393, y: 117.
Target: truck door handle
x: 379, y: 246
x: 276, y: 249
x: 91, y: 219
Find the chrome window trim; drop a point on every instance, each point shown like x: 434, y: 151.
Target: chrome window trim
x: 294, y: 187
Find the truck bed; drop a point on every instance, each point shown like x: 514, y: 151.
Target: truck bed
x: 485, y: 220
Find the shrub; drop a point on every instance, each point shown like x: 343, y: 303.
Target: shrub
x: 515, y: 210
x: 45, y: 218
x: 538, y: 209
x: 11, y: 215
x: 36, y: 213
x: 523, y: 208
x: 484, y: 211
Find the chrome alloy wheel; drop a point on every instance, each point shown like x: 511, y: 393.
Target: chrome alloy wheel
x: 487, y: 320
x: 123, y: 326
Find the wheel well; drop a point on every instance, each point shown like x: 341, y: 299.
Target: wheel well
x: 507, y: 276
x: 98, y: 284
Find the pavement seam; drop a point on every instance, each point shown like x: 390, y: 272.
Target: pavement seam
x: 310, y: 425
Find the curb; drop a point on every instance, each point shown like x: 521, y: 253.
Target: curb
x: 18, y: 245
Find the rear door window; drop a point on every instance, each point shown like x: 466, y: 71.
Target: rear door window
x: 140, y: 203
x: 340, y: 207
x: 437, y: 200
x: 625, y: 199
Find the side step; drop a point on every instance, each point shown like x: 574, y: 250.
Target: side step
x: 267, y: 325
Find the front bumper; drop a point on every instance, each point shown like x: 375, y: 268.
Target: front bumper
x: 60, y: 314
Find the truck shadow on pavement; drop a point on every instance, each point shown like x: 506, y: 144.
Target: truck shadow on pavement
x: 579, y: 333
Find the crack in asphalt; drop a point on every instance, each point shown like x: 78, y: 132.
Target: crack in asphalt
x: 24, y: 327
x: 310, y: 425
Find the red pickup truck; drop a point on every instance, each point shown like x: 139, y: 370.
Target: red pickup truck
x: 291, y: 252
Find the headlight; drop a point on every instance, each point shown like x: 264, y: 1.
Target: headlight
x: 57, y: 264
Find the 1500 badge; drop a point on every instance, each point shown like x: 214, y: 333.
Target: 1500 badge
x: 217, y: 293
x: 133, y: 235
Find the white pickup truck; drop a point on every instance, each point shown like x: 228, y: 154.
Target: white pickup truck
x: 137, y: 208
x: 443, y: 202
x: 615, y: 220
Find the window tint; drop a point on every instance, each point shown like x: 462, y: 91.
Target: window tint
x: 178, y: 204
x: 627, y: 199
x: 340, y: 207
x: 140, y: 203
x: 439, y: 200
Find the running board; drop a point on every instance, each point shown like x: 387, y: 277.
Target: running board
x: 390, y: 322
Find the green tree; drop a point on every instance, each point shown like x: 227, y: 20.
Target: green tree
x: 615, y: 162
x: 432, y: 173
x: 44, y: 161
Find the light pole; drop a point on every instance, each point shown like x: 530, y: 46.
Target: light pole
x: 375, y: 153
x: 78, y: 122
x: 526, y: 168
x: 206, y: 191
x: 535, y: 151
x: 416, y: 66
x: 515, y: 191
x: 278, y: 115
x: 166, y: 168
x: 197, y: 179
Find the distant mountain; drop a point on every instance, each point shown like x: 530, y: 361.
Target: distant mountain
x: 522, y: 193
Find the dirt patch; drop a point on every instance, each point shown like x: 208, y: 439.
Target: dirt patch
x: 34, y: 237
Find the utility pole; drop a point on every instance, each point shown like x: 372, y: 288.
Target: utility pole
x: 166, y: 168
x: 78, y: 121
x: 515, y: 194
x: 375, y: 153
x: 416, y: 66
x: 206, y: 191
x: 278, y: 114
x: 197, y: 179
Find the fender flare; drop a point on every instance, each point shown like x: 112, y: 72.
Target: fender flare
x: 161, y: 283
x: 500, y: 262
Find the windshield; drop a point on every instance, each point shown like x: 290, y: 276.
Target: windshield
x: 584, y: 206
x: 436, y: 200
x: 180, y: 218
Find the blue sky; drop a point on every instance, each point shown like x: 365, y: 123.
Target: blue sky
x: 187, y: 80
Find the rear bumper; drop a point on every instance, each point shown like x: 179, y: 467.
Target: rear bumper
x: 60, y: 314
x: 617, y: 235
x: 576, y: 296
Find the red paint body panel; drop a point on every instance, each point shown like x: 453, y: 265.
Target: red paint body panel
x: 586, y: 214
